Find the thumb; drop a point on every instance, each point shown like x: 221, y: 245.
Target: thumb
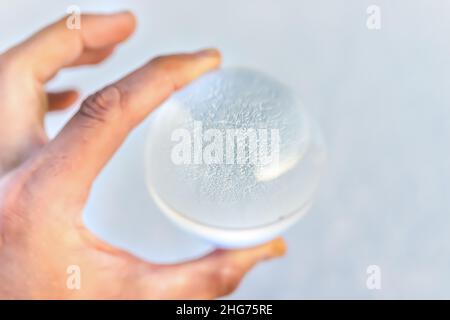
x: 215, y: 275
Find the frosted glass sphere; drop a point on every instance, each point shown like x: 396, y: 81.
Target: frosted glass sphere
x: 233, y: 157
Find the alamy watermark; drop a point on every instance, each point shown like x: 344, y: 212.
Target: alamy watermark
x: 73, y: 281
x: 73, y: 21
x: 373, y: 21
x: 373, y: 281
x: 256, y: 146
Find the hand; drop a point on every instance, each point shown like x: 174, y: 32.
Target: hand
x: 44, y: 184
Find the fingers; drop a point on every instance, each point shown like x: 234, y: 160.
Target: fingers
x: 57, y: 46
x: 214, y: 275
x: 217, y: 274
x: 61, y: 100
x: 75, y: 157
x: 93, y: 56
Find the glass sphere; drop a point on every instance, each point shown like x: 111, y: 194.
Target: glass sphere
x: 234, y: 157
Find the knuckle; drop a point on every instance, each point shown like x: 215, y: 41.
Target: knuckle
x: 10, y: 65
x: 161, y: 62
x: 8, y: 202
x: 103, y: 106
x: 168, y: 70
x: 227, y: 279
x: 12, y: 190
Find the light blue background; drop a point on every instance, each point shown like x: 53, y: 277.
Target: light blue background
x: 381, y: 97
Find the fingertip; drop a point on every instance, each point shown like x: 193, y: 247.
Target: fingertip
x: 209, y: 52
x: 129, y: 19
x: 100, y: 30
x: 126, y: 22
x: 73, y: 95
x: 272, y: 249
x: 278, y: 247
x: 212, y: 55
x: 62, y: 100
x: 183, y: 67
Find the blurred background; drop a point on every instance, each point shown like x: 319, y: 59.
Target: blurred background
x: 381, y: 97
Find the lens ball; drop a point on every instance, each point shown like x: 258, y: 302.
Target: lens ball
x: 234, y: 157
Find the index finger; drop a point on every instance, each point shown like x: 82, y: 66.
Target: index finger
x: 57, y: 46
x: 75, y: 157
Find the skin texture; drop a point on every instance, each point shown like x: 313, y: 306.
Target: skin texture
x: 44, y: 184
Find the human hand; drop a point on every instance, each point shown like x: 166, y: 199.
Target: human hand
x: 44, y: 184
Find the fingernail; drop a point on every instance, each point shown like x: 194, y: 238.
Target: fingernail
x: 123, y: 12
x: 208, y: 52
x: 275, y: 248
x: 278, y: 247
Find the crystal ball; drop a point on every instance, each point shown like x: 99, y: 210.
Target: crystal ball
x: 234, y: 157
